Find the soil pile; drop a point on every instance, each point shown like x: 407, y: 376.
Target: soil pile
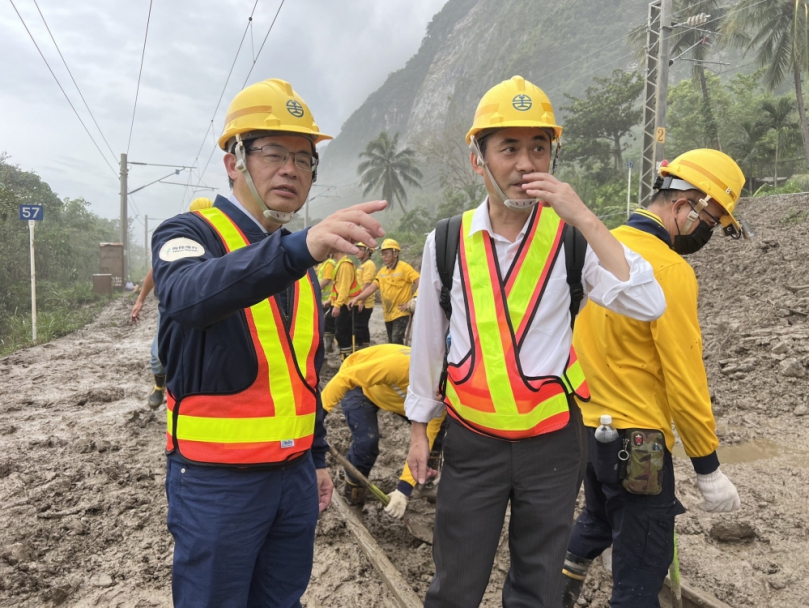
x: 82, y: 465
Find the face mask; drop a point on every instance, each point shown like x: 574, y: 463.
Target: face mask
x: 685, y: 244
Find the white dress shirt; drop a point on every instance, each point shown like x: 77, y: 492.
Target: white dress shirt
x: 236, y: 203
x: 547, y: 341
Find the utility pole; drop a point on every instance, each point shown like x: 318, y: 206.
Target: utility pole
x: 124, y: 220
x: 662, y: 81
x: 630, y: 164
x: 647, y: 161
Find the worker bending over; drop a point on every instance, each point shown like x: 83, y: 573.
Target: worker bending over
x: 240, y: 336
x: 370, y: 380
x: 366, y: 271
x: 343, y: 288
x: 396, y: 281
x: 646, y: 375
x: 514, y: 434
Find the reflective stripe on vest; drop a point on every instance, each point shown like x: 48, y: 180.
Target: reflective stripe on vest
x: 326, y: 295
x: 487, y: 390
x: 355, y: 287
x: 273, y: 420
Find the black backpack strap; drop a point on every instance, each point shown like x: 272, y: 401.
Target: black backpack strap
x: 575, y: 252
x: 447, y: 242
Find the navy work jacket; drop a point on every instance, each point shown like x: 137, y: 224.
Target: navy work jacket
x: 204, y: 340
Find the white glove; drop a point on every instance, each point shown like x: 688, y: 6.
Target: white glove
x: 411, y: 305
x: 719, y: 493
x: 397, y: 505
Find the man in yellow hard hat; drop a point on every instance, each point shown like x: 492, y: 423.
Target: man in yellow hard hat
x: 241, y: 338
x: 498, y: 322
x: 155, y: 399
x: 366, y: 271
x: 373, y: 379
x: 645, y: 375
x: 396, y: 281
x: 343, y: 288
x: 325, y: 276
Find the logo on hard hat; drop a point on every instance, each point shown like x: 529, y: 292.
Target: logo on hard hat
x: 522, y: 102
x: 295, y: 108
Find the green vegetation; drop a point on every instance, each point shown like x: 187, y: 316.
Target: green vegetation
x: 67, y: 255
x: 387, y: 167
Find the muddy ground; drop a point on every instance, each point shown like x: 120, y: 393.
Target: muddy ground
x: 82, y: 470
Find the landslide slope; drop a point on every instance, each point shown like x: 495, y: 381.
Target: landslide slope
x: 472, y: 45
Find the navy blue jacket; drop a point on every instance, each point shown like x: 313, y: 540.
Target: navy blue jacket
x: 204, y: 340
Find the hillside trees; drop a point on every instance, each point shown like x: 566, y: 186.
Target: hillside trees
x: 67, y: 251
x: 387, y: 167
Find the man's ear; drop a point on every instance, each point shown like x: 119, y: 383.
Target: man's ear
x: 477, y: 165
x: 230, y: 166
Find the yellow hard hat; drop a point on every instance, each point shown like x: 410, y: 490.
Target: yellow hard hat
x: 361, y: 244
x: 514, y: 103
x: 712, y: 172
x: 270, y: 105
x: 200, y: 203
x: 390, y: 244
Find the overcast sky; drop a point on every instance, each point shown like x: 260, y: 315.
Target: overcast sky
x: 334, y: 52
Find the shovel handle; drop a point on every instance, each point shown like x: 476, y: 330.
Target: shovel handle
x: 378, y: 494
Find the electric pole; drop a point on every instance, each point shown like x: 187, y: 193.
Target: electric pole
x: 124, y: 220
x: 146, y: 243
x: 662, y: 81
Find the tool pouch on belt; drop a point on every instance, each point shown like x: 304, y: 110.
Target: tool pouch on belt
x: 643, y: 459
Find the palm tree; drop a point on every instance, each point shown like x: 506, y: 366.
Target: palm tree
x: 387, y: 168
x: 778, y: 30
x: 777, y: 117
x: 747, y: 146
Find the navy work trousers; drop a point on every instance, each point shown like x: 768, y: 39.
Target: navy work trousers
x: 640, y: 528
x: 361, y: 415
x: 362, y: 319
x: 242, y: 537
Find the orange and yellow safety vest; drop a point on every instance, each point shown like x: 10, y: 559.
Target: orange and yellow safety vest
x: 355, y: 288
x: 273, y: 420
x: 487, y: 391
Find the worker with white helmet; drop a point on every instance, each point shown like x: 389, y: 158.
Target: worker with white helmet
x: 500, y: 329
x: 645, y: 375
x: 396, y: 282
x: 241, y: 338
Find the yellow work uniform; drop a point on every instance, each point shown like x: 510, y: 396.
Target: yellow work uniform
x: 648, y: 374
x: 396, y: 287
x: 365, y: 274
x: 344, y: 278
x: 325, y: 270
x: 383, y: 373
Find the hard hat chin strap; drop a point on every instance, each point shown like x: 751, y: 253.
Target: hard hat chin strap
x: 518, y: 204
x: 276, y: 217
x: 693, y: 215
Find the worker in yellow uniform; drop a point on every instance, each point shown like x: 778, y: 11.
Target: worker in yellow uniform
x: 396, y: 281
x: 492, y: 346
x: 644, y: 375
x: 366, y: 271
x: 343, y: 288
x: 370, y: 380
x: 325, y: 276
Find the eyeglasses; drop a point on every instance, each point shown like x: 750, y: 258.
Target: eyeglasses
x: 276, y: 155
x: 715, y: 220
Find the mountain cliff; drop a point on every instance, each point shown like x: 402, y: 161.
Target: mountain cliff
x: 471, y: 45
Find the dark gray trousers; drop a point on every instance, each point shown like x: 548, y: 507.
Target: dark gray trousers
x: 540, y: 477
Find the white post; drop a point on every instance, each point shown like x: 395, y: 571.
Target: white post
x: 628, y: 190
x: 31, y: 224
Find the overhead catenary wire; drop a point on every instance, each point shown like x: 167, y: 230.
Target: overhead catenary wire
x: 255, y: 59
x: 140, y: 73
x: 267, y: 35
x: 61, y: 88
x: 76, y: 84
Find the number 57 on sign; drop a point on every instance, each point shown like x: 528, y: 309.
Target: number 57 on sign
x: 32, y: 212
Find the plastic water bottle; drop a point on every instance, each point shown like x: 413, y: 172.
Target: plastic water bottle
x: 606, y: 433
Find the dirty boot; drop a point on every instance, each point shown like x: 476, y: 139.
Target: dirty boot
x: 574, y: 571
x: 328, y: 342
x: 354, y: 494
x: 344, y: 354
x: 156, y: 397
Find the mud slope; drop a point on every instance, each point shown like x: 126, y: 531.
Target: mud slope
x: 82, y: 469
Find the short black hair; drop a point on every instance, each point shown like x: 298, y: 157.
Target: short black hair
x: 665, y: 196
